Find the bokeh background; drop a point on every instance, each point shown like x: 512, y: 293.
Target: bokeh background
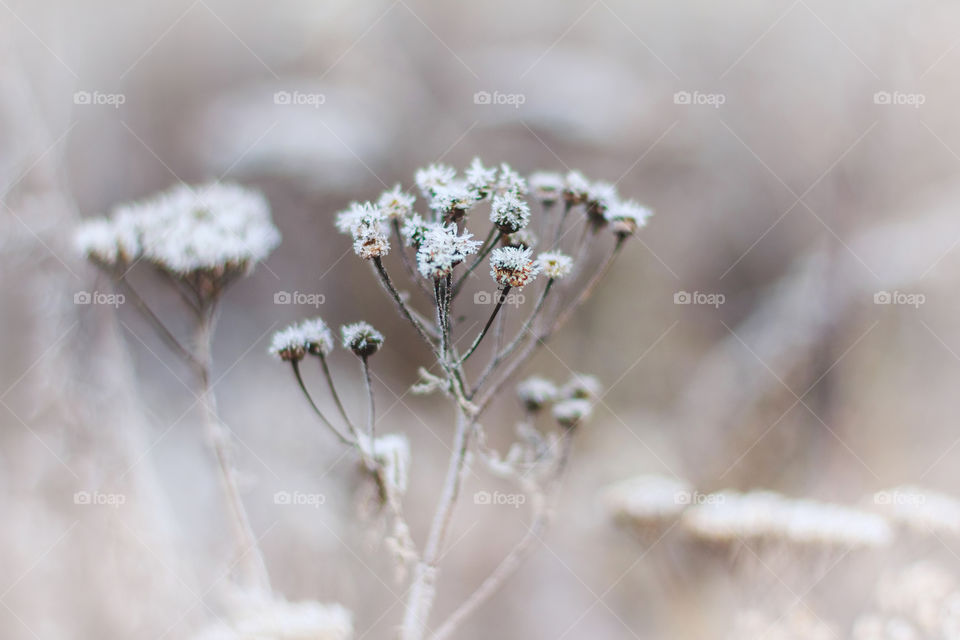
x: 801, y: 157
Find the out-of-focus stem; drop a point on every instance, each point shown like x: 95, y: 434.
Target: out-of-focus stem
x: 371, y: 408
x: 488, y: 244
x: 165, y: 334
x: 250, y: 559
x: 502, y: 296
x: 316, y: 409
x: 333, y: 390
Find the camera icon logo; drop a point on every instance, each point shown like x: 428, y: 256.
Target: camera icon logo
x: 882, y: 97
x: 82, y: 297
x: 82, y: 97
x: 682, y: 297
x: 682, y: 97
x: 282, y: 297
x: 682, y: 497
x: 482, y: 97
x: 483, y: 297
x: 482, y: 497
x: 282, y: 97
x: 81, y: 497
x: 882, y: 297
x: 281, y: 497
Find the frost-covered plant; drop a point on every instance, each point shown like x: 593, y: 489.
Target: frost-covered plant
x: 202, y: 239
x: 440, y: 257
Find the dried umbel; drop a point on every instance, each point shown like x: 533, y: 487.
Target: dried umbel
x: 648, y: 504
x: 433, y: 240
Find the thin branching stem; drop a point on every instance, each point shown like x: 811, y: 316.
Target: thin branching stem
x: 502, y: 297
x: 558, y: 234
x: 526, y: 330
x: 488, y: 245
x: 333, y: 391
x: 401, y: 304
x: 407, y: 262
x: 371, y: 407
x: 316, y: 409
x: 165, y: 334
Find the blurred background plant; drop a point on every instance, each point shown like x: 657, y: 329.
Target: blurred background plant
x: 787, y: 322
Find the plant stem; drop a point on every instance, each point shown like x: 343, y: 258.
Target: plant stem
x: 502, y: 296
x: 398, y: 299
x: 563, y: 219
x: 423, y: 589
x: 333, y: 390
x: 165, y: 334
x: 487, y: 246
x: 371, y: 410
x: 253, y: 567
x: 316, y: 409
x: 518, y: 339
x: 407, y: 263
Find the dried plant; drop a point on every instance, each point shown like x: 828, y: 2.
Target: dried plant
x: 439, y: 256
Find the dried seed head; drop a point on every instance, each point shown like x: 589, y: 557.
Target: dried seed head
x: 509, y: 181
x: 555, y: 264
x: 547, y: 187
x: 582, y: 386
x: 626, y: 217
x: 601, y: 196
x: 396, y: 203
x: 435, y: 175
x: 509, y: 212
x: 289, y: 344
x: 108, y: 242
x: 316, y: 336
x: 536, y: 392
x: 414, y: 230
x: 361, y: 338
x: 575, y: 188
x: 442, y: 249
x: 513, y: 267
x: 451, y: 201
x: 481, y: 180
x: 368, y: 227
x: 571, y: 413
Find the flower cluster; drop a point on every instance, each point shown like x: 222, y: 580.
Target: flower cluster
x: 361, y: 338
x: 214, y: 228
x: 513, y: 266
x: 572, y: 403
x: 601, y: 200
x: 442, y: 248
x: 296, y: 341
x: 367, y: 224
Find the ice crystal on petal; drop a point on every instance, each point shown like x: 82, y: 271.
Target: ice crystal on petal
x: 414, y: 230
x: 436, y: 175
x: 570, y: 413
x: 361, y: 338
x: 289, y: 343
x: 480, y: 179
x: 509, y: 181
x: 575, y: 188
x: 535, y: 392
x: 452, y: 198
x: 547, y: 186
x: 627, y: 216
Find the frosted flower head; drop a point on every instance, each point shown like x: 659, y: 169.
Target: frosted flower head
x: 361, y: 338
x: 435, y: 175
x: 452, y: 200
x: 582, y: 386
x: 213, y: 228
x: 289, y: 344
x: 522, y: 238
x: 571, y: 413
x: 509, y: 213
x: 442, y: 249
x: 509, y: 181
x: 513, y: 267
x: 555, y: 264
x: 575, y: 188
x: 108, y: 242
x: 481, y: 180
x: 367, y: 224
x: 601, y: 196
x: 626, y: 217
x: 547, y: 187
x: 316, y: 336
x: 536, y: 392
x: 396, y: 204
x: 259, y: 618
x: 647, y: 501
x: 414, y: 230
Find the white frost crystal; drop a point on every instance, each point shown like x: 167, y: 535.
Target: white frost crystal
x: 436, y: 175
x: 396, y: 203
x: 512, y: 266
x: 509, y: 212
x: 555, y: 264
x: 547, y: 186
x: 442, y: 249
x: 361, y: 338
x: 259, y: 619
x: 627, y: 216
x: 535, y: 392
